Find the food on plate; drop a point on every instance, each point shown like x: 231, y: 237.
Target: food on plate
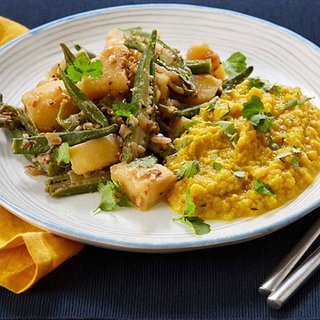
x: 141, y: 124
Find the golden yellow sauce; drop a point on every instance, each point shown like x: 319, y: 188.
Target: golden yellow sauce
x: 219, y: 194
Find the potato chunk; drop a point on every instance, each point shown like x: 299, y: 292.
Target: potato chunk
x: 144, y: 187
x: 94, y: 154
x: 202, y: 51
x: 43, y: 102
x: 114, y: 80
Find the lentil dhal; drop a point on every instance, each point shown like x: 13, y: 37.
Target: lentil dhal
x: 282, y: 160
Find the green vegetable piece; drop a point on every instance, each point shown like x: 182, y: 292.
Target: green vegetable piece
x: 230, y: 83
x: 273, y: 145
x: 83, y: 66
x: 39, y: 144
x: 236, y: 63
x: 262, y: 188
x: 188, y: 217
x: 146, y: 162
x: 239, y: 174
x: 264, y: 85
x: 69, y: 57
x: 199, y: 66
x: 229, y: 130
x: 295, y: 102
x: 217, y: 166
x: 295, y: 163
x: 188, y: 169
x: 213, y: 104
x: 70, y: 184
x: 285, y: 154
x: 182, y: 128
x: 252, y: 107
x: 294, y: 149
x: 253, y: 111
x: 188, y: 112
x: 90, y: 110
x: 125, y: 109
x: 182, y: 143
x: 61, y: 154
x: 90, y: 54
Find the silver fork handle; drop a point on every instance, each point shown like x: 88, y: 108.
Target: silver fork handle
x: 294, y: 281
x: 288, y: 263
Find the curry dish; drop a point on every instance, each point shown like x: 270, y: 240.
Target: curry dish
x: 141, y: 124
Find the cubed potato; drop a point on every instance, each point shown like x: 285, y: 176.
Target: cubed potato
x: 43, y: 103
x: 144, y: 187
x: 94, y: 154
x: 202, y: 51
x: 114, y: 80
x: 206, y: 87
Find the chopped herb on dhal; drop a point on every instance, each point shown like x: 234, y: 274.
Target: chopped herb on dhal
x: 188, y: 169
x: 146, y: 162
x: 262, y: 188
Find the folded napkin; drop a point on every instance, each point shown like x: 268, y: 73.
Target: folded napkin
x: 27, y: 253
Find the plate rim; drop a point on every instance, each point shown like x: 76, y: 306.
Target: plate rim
x: 193, y: 244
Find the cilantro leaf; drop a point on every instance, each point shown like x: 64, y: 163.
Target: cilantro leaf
x: 111, y: 196
x: 229, y: 130
x: 295, y: 163
x: 125, y: 109
x: 252, y: 107
x: 146, y: 162
x: 293, y: 150
x: 273, y: 145
x: 188, y: 169
x: 182, y: 143
x: 61, y: 154
x: 108, y: 199
x: 83, y: 66
x: 262, y: 121
x: 235, y: 63
x: 295, y: 102
x: 265, y: 85
x: 188, y: 217
x: 213, y: 104
x: 262, y: 188
x: 253, y: 111
x: 182, y: 128
x: 239, y: 174
x: 217, y: 166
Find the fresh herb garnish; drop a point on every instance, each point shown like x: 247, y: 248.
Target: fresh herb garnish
x: 213, y: 104
x: 253, y: 111
x: 235, y: 63
x: 188, y: 217
x: 239, y: 174
x: 83, y: 66
x: 61, y: 154
x: 295, y: 163
x: 125, y: 109
x: 295, y: 102
x: 217, y: 166
x: 146, y: 162
x: 214, y: 156
x: 263, y: 84
x: 182, y: 128
x: 292, y: 150
x: 111, y: 196
x: 262, y: 188
x: 188, y: 169
x: 182, y: 143
x: 229, y: 130
x: 273, y: 145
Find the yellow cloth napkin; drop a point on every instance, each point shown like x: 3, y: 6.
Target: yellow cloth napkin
x: 27, y: 253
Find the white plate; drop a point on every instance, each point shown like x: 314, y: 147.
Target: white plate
x: 276, y: 53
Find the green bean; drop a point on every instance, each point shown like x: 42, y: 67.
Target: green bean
x: 232, y: 82
x: 199, y: 66
x: 69, y: 57
x: 144, y: 95
x: 91, y: 55
x: 73, y: 121
x: 90, y: 110
x: 72, y: 184
x: 170, y: 112
x: 39, y: 144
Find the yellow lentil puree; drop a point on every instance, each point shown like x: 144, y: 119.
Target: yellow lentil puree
x: 219, y: 194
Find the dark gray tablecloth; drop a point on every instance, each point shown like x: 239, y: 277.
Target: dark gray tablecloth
x: 219, y: 283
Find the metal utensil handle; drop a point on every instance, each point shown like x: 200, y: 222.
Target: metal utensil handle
x: 294, y: 281
x: 288, y: 263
